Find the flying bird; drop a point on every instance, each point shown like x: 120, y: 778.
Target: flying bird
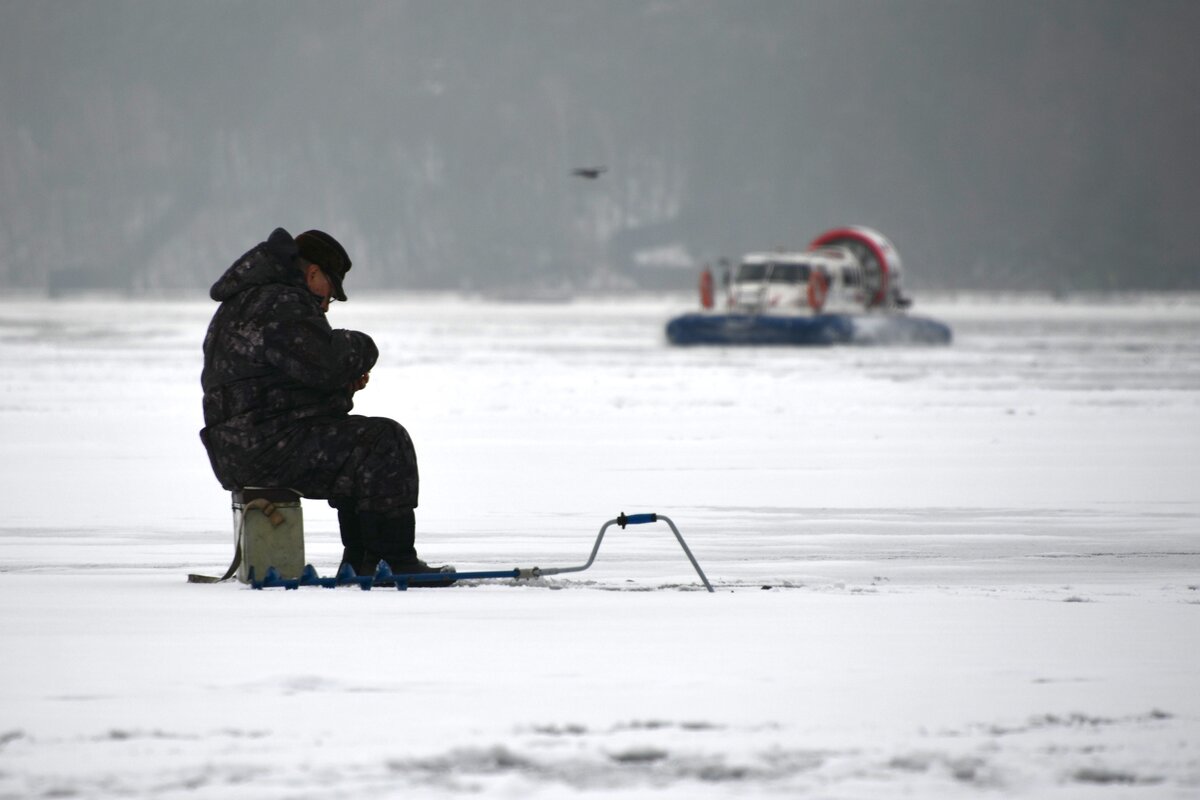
x: 591, y: 173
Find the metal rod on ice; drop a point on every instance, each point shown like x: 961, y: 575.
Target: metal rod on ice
x: 632, y: 519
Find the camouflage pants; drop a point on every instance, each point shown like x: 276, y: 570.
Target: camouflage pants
x: 361, y: 464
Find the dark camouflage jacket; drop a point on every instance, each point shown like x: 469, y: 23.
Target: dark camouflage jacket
x: 272, y: 363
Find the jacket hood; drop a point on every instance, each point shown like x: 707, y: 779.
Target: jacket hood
x: 272, y: 261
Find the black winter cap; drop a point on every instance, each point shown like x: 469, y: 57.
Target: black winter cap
x: 323, y: 250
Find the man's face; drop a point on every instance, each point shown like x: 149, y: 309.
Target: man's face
x: 319, y: 284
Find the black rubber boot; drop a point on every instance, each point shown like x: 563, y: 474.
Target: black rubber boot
x: 352, y: 540
x: 389, y: 539
x: 392, y: 539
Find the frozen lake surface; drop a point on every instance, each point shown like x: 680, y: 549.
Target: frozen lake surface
x: 946, y: 572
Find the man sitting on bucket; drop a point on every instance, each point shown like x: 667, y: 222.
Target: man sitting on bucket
x: 279, y: 386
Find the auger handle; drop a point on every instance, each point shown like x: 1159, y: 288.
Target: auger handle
x: 636, y: 519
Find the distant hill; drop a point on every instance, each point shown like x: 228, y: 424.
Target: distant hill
x: 1011, y: 144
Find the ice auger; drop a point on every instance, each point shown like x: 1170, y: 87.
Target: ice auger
x: 385, y: 577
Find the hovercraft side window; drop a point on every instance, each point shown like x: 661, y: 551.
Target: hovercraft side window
x: 789, y: 273
x: 750, y: 273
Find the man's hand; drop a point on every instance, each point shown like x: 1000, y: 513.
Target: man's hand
x: 361, y: 382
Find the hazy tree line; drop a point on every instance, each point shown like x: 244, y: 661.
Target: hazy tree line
x: 999, y: 144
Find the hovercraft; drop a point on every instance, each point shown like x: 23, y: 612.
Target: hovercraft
x: 847, y: 288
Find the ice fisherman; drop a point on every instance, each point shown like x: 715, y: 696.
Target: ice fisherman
x: 279, y: 385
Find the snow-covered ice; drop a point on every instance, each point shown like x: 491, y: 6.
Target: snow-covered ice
x: 946, y: 572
